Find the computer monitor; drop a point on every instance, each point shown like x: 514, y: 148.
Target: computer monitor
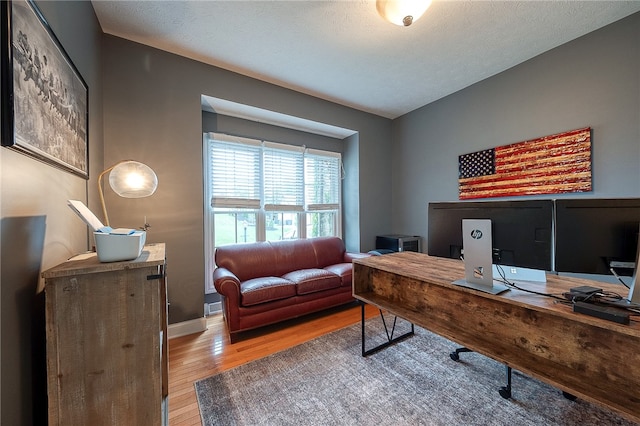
x: 595, y: 235
x: 521, y: 230
x: 598, y: 236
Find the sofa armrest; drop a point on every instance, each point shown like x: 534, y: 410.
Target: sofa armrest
x: 349, y: 257
x: 227, y: 284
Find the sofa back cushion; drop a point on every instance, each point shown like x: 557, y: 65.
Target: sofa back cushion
x: 329, y: 250
x: 293, y: 255
x: 274, y: 259
x: 247, y: 261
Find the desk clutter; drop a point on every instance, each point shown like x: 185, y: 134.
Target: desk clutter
x: 597, y: 303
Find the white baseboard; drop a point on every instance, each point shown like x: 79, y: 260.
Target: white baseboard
x: 184, y: 328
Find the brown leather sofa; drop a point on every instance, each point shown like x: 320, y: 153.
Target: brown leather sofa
x: 267, y: 282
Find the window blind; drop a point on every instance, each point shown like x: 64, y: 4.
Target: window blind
x: 251, y: 174
x: 283, y: 168
x: 235, y: 173
x: 322, y: 180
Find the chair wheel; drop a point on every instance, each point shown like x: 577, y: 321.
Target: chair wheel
x: 505, y: 392
x: 569, y: 396
x: 454, y: 356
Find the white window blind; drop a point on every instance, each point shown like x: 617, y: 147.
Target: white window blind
x: 322, y: 180
x: 283, y: 177
x: 235, y: 173
x: 271, y: 177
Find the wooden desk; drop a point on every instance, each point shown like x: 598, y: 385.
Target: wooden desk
x: 591, y: 358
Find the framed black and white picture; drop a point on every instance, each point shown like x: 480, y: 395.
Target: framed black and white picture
x: 44, y: 97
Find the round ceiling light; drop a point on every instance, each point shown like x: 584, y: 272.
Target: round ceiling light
x: 402, y: 12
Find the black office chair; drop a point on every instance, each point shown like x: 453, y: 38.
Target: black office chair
x: 504, y: 391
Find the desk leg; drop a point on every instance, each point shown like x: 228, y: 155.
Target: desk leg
x: 390, y: 339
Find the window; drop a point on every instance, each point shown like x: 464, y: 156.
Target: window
x: 322, y: 193
x: 265, y: 191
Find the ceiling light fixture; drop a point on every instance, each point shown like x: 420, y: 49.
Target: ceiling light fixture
x: 402, y: 12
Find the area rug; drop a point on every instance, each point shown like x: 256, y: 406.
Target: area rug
x: 326, y: 381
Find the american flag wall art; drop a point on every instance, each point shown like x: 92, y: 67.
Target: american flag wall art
x: 553, y: 164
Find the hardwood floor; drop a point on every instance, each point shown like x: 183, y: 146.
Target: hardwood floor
x: 201, y: 355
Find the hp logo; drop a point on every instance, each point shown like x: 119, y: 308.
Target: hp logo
x: 476, y: 234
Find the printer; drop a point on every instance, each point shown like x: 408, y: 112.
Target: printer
x: 112, y: 245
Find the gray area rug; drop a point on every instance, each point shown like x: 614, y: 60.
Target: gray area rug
x: 327, y: 382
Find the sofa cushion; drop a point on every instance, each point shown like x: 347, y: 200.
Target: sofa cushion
x: 329, y: 250
x: 313, y: 280
x: 293, y: 255
x: 344, y: 271
x: 248, y: 260
x: 266, y: 289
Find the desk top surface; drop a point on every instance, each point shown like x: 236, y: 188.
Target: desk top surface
x: 442, y: 271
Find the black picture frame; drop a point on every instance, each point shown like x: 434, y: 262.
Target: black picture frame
x: 44, y: 98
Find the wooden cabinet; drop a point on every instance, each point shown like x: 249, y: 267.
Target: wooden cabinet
x: 106, y: 329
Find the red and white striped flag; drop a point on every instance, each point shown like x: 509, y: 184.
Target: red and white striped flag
x: 549, y: 165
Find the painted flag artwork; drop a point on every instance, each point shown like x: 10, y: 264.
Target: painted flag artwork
x: 549, y: 165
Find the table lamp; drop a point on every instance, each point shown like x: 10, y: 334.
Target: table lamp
x: 128, y: 179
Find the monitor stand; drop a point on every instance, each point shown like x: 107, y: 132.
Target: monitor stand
x: 478, y: 270
x: 633, y: 299
x: 634, y: 288
x: 491, y: 289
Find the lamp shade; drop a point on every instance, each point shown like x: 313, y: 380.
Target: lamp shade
x: 402, y: 12
x: 128, y: 179
x: 131, y: 179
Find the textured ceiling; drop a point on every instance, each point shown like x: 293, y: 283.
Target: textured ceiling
x: 343, y: 51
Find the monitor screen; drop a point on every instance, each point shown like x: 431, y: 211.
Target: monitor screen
x: 593, y: 235
x: 521, y: 230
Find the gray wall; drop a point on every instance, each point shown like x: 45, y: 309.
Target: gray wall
x: 592, y: 81
x: 38, y: 230
x: 152, y: 113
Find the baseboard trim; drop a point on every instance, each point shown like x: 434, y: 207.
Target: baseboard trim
x: 184, y: 328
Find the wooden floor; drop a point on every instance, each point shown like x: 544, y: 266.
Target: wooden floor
x: 201, y: 355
